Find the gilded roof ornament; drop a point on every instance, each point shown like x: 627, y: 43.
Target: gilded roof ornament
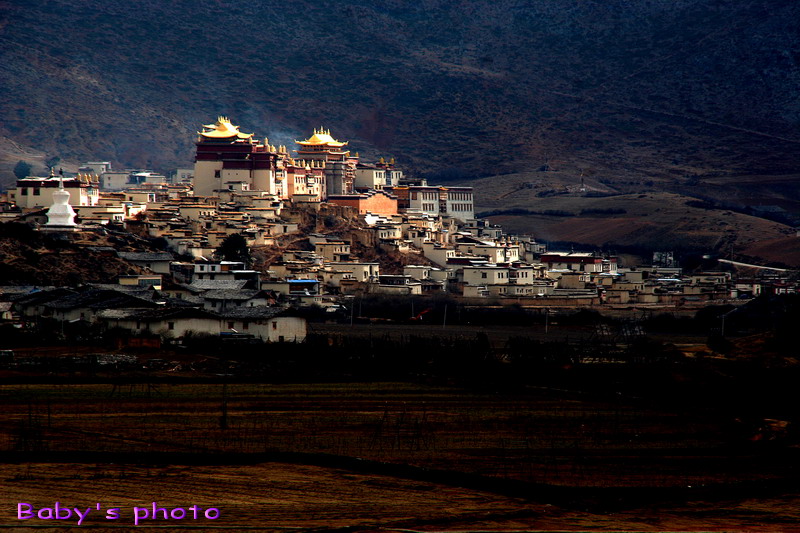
x: 321, y: 137
x: 223, y: 129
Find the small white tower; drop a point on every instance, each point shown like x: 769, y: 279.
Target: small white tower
x: 60, y: 216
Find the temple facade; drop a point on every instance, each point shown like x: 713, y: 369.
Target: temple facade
x: 301, y: 178
x: 227, y: 158
x: 339, y: 165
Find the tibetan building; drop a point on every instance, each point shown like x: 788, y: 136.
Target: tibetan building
x: 339, y: 165
x: 321, y: 170
x: 435, y: 200
x: 228, y: 158
x: 36, y: 193
x: 301, y: 179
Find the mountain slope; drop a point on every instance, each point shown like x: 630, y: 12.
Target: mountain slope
x: 624, y: 89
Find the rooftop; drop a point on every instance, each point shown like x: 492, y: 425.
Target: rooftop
x: 321, y: 138
x: 223, y: 129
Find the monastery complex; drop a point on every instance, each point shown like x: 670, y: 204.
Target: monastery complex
x: 327, y: 226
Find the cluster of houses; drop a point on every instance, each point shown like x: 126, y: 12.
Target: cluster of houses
x: 133, y: 311
x: 242, y: 186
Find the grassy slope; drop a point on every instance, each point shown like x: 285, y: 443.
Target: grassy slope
x: 656, y: 220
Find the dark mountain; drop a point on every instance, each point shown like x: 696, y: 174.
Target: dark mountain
x: 631, y: 90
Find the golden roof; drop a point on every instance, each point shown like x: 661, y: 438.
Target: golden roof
x: 223, y: 129
x: 321, y: 138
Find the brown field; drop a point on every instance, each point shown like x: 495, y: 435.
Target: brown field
x: 429, y: 457
x: 540, y: 437
x: 281, y: 497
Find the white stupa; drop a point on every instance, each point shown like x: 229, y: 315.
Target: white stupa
x: 60, y: 216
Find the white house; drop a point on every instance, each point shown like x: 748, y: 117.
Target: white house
x: 268, y: 324
x: 486, y: 275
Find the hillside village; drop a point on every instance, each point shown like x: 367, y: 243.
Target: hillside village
x: 235, y: 245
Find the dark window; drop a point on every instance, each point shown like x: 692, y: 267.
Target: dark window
x: 245, y: 325
x: 37, y: 192
x: 274, y: 325
x: 217, y: 173
x: 170, y: 325
x: 230, y: 325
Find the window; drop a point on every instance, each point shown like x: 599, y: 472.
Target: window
x: 230, y: 325
x: 217, y: 173
x: 213, y: 303
x: 483, y: 275
x: 170, y: 326
x: 37, y: 192
x: 245, y: 325
x: 24, y: 192
x: 274, y: 325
